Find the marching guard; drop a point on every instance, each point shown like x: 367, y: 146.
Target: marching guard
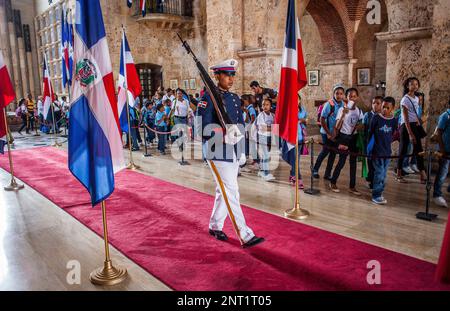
x: 224, y: 154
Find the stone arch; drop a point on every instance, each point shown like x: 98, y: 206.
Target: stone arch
x: 331, y: 28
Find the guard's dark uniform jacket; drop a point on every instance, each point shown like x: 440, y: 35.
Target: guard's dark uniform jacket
x: 211, y: 127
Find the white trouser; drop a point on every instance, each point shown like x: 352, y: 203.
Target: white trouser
x: 228, y: 173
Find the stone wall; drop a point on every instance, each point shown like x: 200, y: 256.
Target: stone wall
x: 152, y: 43
x: 440, y: 61
x: 411, y: 40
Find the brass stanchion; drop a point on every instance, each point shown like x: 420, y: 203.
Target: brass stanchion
x: 296, y: 212
x: 108, y: 274
x: 13, y: 186
x: 56, y: 143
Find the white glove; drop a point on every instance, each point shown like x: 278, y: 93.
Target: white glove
x: 233, y: 135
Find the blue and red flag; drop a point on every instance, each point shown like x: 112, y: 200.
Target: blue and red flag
x: 293, y: 78
x: 66, y: 48
x: 143, y: 9
x: 95, y: 144
x: 48, y: 96
x: 7, y: 95
x: 128, y: 80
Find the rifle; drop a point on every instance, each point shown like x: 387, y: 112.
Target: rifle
x: 216, y: 97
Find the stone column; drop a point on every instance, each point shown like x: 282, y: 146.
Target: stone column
x: 225, y: 44
x: 408, y: 44
x: 22, y: 54
x: 29, y: 57
x: 4, y: 38
x: 14, y: 51
x: 440, y: 60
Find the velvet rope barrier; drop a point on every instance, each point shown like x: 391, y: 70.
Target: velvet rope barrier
x: 342, y: 151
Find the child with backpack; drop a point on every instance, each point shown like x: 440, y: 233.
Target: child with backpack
x: 328, y: 117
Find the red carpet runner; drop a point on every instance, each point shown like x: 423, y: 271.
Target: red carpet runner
x: 163, y: 228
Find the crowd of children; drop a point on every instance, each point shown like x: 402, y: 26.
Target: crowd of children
x: 347, y: 133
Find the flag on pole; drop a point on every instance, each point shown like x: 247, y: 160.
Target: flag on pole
x: 95, y: 144
x: 128, y: 79
x: 7, y: 95
x: 130, y: 3
x: 142, y: 6
x: 293, y: 78
x: 48, y: 96
x: 66, y: 48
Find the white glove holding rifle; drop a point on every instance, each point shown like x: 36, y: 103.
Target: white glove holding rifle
x: 233, y: 135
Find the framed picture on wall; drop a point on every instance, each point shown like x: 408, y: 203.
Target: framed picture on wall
x: 193, y: 84
x: 363, y: 75
x: 313, y: 77
x: 186, y: 85
x: 173, y: 84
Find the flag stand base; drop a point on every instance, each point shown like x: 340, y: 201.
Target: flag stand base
x: 297, y: 213
x: 108, y: 275
x: 14, y: 186
x: 132, y: 166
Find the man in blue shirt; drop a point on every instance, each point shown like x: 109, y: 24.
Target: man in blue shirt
x: 443, y: 137
x: 224, y: 153
x: 328, y: 121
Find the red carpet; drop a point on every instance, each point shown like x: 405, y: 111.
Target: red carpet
x: 164, y: 230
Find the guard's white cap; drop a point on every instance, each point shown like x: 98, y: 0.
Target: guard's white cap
x: 227, y: 66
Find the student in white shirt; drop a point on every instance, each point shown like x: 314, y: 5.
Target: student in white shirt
x: 346, y: 129
x: 180, y: 111
x: 170, y: 96
x: 264, y: 123
x: 410, y: 131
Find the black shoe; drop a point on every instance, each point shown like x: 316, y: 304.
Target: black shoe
x: 219, y: 235
x: 316, y: 175
x: 254, y: 241
x: 327, y: 178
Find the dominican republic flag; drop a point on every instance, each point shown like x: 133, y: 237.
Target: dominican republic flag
x: 130, y: 3
x: 66, y: 48
x: 48, y: 96
x: 293, y: 78
x: 95, y: 144
x: 142, y: 6
x: 128, y: 79
x: 7, y: 95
